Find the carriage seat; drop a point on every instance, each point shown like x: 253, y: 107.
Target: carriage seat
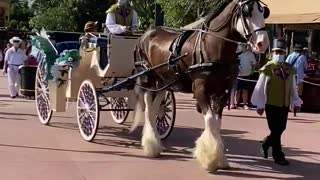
x: 67, y: 45
x: 101, y: 42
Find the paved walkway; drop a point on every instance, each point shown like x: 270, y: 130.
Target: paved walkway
x: 31, y: 151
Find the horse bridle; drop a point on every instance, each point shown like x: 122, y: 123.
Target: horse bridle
x: 245, y: 10
x: 242, y: 11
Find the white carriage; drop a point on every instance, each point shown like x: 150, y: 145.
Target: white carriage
x: 103, y: 62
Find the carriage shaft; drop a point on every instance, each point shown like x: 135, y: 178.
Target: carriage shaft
x: 107, y: 89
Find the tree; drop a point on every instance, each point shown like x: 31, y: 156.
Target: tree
x: 145, y: 10
x: 68, y: 15
x: 20, y: 14
x: 91, y: 10
x: 55, y: 19
x: 182, y: 12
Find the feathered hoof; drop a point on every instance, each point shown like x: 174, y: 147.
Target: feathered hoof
x: 209, y: 151
x: 224, y: 166
x: 198, y: 108
x: 151, y: 148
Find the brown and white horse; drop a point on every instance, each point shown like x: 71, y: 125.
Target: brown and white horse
x: 208, y: 70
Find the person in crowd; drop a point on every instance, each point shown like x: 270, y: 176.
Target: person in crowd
x: 298, y: 60
x: 273, y: 93
x: 246, y: 68
x: 14, y: 58
x: 9, y: 45
x: 121, y: 18
x: 312, y: 64
x: 1, y: 55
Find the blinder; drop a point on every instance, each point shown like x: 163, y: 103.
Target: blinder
x: 266, y: 12
x: 247, y: 8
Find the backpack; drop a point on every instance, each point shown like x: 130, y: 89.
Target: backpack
x: 295, y: 60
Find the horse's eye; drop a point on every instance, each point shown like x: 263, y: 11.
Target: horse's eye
x: 266, y: 12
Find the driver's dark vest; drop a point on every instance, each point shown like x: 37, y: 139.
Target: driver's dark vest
x: 124, y: 21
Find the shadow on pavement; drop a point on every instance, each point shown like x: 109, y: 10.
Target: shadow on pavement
x: 296, y: 120
x: 13, y: 118
x: 241, y: 151
x: 30, y: 114
x: 180, y: 143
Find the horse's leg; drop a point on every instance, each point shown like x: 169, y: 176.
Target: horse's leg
x: 223, y: 162
x: 150, y: 138
x: 209, y: 149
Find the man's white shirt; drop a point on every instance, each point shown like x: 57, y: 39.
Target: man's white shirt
x: 14, y: 57
x: 247, y: 59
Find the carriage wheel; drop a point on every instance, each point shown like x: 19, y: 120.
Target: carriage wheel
x: 121, y: 113
x: 88, y: 110
x: 42, y: 96
x: 166, y: 115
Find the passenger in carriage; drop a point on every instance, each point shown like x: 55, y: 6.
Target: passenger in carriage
x: 90, y: 27
x: 121, y: 18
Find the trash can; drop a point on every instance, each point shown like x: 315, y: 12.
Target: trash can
x: 28, y: 77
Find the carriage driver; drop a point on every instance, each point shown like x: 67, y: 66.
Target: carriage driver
x: 121, y: 18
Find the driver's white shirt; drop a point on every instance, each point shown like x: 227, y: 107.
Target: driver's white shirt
x: 117, y: 28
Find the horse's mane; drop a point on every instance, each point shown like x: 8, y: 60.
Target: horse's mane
x: 218, y: 7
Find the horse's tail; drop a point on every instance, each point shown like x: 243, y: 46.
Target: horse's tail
x: 139, y: 108
x: 138, y: 113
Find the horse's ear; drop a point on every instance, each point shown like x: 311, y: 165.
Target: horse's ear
x: 266, y: 12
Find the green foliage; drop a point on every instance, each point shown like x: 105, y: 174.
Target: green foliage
x: 55, y: 19
x: 182, y: 12
x: 20, y: 14
x: 71, y: 15
x: 91, y: 10
x: 145, y: 10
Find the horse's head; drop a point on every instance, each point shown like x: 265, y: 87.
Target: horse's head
x: 250, y: 23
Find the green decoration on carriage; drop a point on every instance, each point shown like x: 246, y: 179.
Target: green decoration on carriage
x: 47, y: 56
x: 55, y: 63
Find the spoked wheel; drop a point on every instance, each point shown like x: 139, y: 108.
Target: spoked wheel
x: 42, y: 96
x: 88, y: 110
x: 166, y: 115
x: 119, y: 108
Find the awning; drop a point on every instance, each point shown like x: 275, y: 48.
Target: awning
x: 293, y: 11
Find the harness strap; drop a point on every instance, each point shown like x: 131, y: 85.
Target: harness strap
x: 202, y: 65
x: 194, y: 54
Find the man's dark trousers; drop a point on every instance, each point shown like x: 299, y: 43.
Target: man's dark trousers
x: 277, y: 118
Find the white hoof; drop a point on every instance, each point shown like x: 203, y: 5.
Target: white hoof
x: 151, y: 142
x: 209, y: 151
x: 151, y: 147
